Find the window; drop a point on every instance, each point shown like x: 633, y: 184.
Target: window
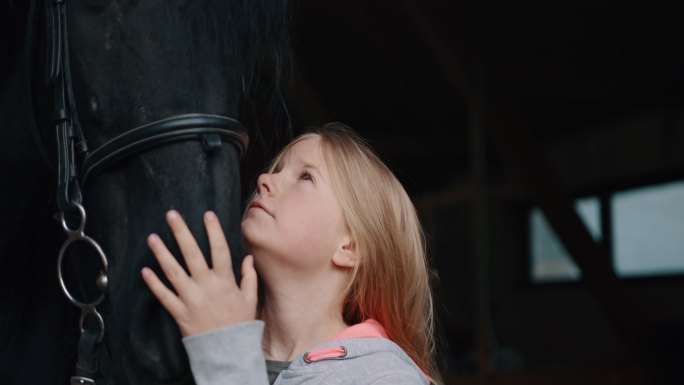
x: 647, y: 235
x: 551, y: 262
x: 648, y: 230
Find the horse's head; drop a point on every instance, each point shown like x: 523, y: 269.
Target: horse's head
x: 133, y: 63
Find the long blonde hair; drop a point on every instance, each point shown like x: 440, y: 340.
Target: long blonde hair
x: 391, y: 281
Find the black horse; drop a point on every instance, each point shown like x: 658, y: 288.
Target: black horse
x: 131, y: 63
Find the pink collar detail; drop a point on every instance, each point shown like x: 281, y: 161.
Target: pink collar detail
x: 369, y: 328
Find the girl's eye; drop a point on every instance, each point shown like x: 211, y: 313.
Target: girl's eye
x: 306, y: 176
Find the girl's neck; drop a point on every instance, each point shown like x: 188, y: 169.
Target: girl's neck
x: 295, y: 323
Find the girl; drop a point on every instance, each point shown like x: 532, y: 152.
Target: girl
x: 339, y: 249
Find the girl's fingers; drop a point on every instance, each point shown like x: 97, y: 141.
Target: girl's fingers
x: 166, y: 297
x: 220, y: 252
x: 171, y: 268
x: 187, y: 244
x: 249, y: 283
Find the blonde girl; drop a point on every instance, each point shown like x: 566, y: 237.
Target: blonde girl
x: 338, y: 247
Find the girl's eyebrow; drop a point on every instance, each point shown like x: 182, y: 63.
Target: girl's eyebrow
x: 305, y: 163
x: 311, y: 166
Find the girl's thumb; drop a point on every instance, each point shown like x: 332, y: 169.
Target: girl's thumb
x: 249, y: 282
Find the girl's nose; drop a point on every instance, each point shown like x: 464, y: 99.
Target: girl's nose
x: 265, y: 183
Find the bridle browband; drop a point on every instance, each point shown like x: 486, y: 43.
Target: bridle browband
x: 72, y: 174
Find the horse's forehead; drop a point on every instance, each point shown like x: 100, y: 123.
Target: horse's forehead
x: 137, y: 62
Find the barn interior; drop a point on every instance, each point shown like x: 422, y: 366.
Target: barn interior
x: 543, y: 145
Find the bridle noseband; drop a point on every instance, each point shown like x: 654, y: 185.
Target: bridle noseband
x: 211, y: 130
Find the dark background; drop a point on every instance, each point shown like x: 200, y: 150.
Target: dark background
x: 485, y: 109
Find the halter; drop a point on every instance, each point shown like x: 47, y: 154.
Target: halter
x: 211, y: 130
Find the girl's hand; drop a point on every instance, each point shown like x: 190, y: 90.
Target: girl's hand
x: 207, y: 299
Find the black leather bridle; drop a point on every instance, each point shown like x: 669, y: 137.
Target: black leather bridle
x: 76, y: 164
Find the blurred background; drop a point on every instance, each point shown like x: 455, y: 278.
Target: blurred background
x: 543, y: 144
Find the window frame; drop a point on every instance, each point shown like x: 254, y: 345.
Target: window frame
x: 604, y: 197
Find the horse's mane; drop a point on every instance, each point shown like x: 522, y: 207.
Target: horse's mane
x: 271, y: 70
x: 261, y: 29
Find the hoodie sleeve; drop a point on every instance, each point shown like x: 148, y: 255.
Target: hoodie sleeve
x: 231, y: 355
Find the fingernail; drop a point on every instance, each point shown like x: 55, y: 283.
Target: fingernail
x: 209, y: 215
x: 172, y: 214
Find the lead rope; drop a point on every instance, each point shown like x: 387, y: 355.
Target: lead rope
x: 69, y: 199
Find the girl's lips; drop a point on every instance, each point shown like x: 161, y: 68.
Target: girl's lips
x: 259, y: 205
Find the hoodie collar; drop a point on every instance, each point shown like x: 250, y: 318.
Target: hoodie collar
x: 369, y: 328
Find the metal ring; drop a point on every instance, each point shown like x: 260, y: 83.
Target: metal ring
x: 81, y: 227
x: 88, y: 311
x: 60, y: 257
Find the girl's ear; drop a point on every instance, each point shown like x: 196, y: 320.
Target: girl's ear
x: 345, y: 255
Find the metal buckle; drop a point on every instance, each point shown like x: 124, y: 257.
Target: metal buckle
x: 80, y: 380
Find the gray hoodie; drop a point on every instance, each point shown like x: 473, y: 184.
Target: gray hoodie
x: 361, y: 354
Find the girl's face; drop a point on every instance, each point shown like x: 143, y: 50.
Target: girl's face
x: 295, y: 217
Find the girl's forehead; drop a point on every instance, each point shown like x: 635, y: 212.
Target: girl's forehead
x: 308, y: 151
